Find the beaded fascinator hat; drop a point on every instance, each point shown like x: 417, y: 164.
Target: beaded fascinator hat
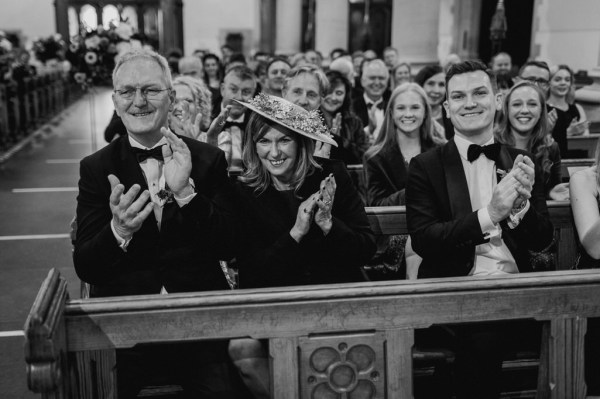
x: 291, y: 116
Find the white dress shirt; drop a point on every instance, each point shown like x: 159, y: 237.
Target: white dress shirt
x: 379, y: 115
x: 492, y: 257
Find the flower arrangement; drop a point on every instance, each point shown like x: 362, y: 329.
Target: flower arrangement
x: 52, y: 47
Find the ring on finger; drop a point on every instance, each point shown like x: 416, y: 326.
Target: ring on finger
x: 328, y: 202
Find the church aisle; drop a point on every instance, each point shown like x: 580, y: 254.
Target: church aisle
x: 38, y: 190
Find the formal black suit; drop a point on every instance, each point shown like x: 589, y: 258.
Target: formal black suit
x: 359, y: 106
x: 386, y: 173
x: 445, y: 231
x: 444, y: 228
x: 182, y: 256
x: 269, y: 256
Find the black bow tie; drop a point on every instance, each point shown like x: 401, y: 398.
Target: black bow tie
x: 379, y: 105
x: 240, y: 125
x: 490, y: 151
x: 142, y: 154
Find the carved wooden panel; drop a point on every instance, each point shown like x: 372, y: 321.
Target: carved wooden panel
x: 342, y: 366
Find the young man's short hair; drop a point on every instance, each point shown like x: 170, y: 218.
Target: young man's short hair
x: 471, y: 66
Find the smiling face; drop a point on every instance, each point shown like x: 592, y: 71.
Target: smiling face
x: 236, y: 88
x: 560, y: 84
x: 278, y: 152
x: 374, y: 80
x: 334, y: 99
x: 408, y: 113
x: 143, y: 117
x: 276, y: 75
x: 524, y: 109
x: 502, y: 63
x: 211, y: 67
x: 435, y: 88
x: 304, y: 90
x: 185, y: 105
x: 472, y: 104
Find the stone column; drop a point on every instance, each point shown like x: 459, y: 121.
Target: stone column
x: 171, y: 25
x: 268, y: 20
x: 62, y: 18
x: 331, y: 25
x: 288, y: 27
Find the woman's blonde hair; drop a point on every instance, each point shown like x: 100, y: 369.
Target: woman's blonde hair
x: 388, y: 138
x: 255, y: 174
x: 540, y: 138
x: 202, y: 97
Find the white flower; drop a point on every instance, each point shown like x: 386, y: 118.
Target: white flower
x: 91, y: 57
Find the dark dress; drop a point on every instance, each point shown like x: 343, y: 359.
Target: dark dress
x: 268, y: 256
x: 563, y: 120
x: 386, y: 174
x: 553, y: 176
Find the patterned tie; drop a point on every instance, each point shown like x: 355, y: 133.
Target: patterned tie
x: 142, y: 154
x: 490, y: 151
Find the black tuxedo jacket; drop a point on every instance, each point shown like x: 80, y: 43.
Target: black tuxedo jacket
x: 182, y: 256
x: 443, y: 227
x: 360, y: 106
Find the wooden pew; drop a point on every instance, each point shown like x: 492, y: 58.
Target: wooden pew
x: 570, y: 166
x: 388, y: 220
x: 587, y: 143
x: 330, y: 337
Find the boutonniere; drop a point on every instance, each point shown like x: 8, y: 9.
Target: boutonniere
x: 165, y: 196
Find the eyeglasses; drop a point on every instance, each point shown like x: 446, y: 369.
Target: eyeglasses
x: 149, y: 93
x: 538, y: 81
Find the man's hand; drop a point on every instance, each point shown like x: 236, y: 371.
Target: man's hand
x: 128, y: 212
x: 503, y: 197
x: 216, y: 127
x: 177, y: 164
x: 187, y: 127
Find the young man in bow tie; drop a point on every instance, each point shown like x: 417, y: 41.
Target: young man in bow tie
x: 154, y: 215
x: 465, y: 219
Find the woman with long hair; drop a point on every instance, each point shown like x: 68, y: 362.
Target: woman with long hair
x: 191, y: 112
x: 336, y: 109
x: 523, y: 124
x: 407, y: 131
x: 400, y: 73
x: 432, y: 79
x: 570, y: 117
x: 213, y: 77
x: 301, y: 217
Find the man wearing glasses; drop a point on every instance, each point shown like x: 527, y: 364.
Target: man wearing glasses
x: 538, y: 72
x: 154, y: 215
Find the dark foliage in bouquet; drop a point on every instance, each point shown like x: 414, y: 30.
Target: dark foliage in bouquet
x: 52, y: 47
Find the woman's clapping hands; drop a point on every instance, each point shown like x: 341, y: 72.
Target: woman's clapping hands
x: 316, y: 208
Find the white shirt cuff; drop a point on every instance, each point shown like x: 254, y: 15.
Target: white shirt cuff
x: 185, y: 200
x: 488, y: 227
x: 123, y: 243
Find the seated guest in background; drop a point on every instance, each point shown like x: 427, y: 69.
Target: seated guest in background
x: 432, y: 79
x: 370, y: 55
x: 337, y: 52
x: 464, y: 219
x: 369, y: 106
x: 570, y: 117
x: 524, y: 125
x: 505, y: 82
x: 191, y: 111
x: 538, y: 72
x: 235, y: 60
x: 348, y: 132
x: 357, y: 60
x: 314, y: 57
x: 226, y: 53
x: 191, y: 66
x: 306, y: 86
x: 173, y: 57
x: 239, y: 84
x: 155, y: 213
x: 301, y: 216
x: 450, y: 60
x: 390, y: 57
x: 585, y: 200
x: 344, y: 66
x: 277, y: 70
x: 213, y: 75
x: 400, y: 74
x: 407, y: 131
x: 501, y: 63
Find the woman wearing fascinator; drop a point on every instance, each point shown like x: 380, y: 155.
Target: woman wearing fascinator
x: 302, y: 219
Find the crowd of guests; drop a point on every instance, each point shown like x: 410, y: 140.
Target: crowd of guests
x: 473, y: 163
